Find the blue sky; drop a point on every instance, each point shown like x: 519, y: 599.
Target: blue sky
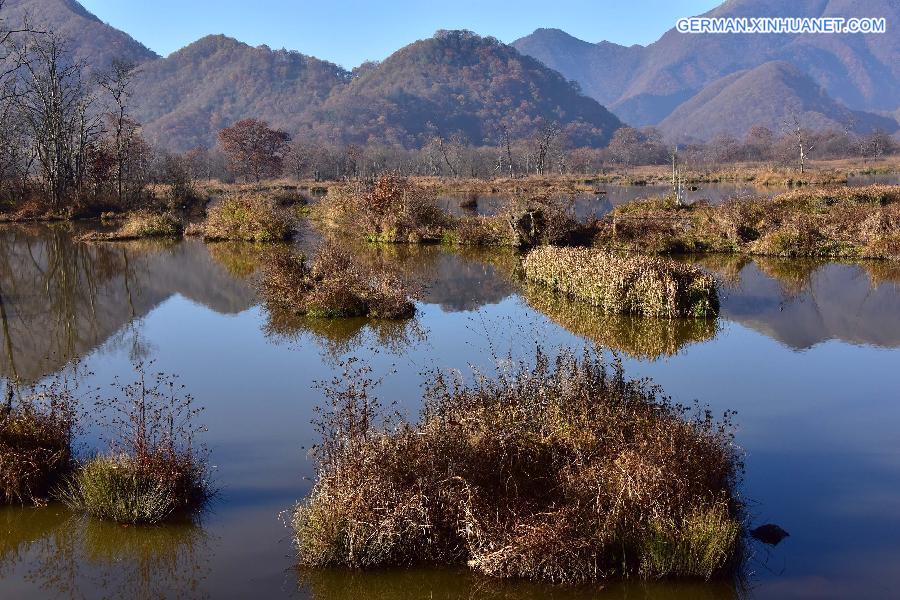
x: 350, y: 31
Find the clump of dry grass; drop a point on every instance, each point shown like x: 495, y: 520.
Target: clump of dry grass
x: 390, y: 210
x: 564, y: 471
x: 154, y: 467
x: 842, y: 222
x: 334, y: 285
x: 142, y: 224
x: 246, y: 217
x: 625, y: 284
x: 35, y: 442
x: 524, y: 222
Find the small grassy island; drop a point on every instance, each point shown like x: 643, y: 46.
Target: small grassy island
x: 153, y: 470
x: 564, y: 471
x: 625, y: 284
x: 334, y: 285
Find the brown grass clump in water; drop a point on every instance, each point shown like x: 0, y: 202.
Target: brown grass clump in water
x: 334, y: 285
x: 524, y: 223
x: 249, y: 218
x: 35, y: 442
x: 622, y: 284
x: 845, y: 222
x: 140, y: 225
x: 154, y: 467
x: 390, y: 210
x: 565, y: 472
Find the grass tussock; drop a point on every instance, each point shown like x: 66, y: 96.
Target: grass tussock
x: 564, y: 471
x: 153, y: 469
x: 334, y: 285
x: 35, y: 443
x: 843, y: 222
x: 390, y: 210
x: 141, y: 225
x: 625, y: 284
x: 246, y: 217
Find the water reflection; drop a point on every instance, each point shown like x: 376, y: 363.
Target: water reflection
x: 453, y: 584
x: 71, y: 556
x: 61, y: 299
x: 805, y: 302
x: 637, y: 337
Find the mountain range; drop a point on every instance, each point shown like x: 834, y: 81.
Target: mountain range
x: 691, y: 86
x: 644, y: 85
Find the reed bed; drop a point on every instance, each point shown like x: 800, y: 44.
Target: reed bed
x: 834, y: 222
x: 625, y: 284
x: 562, y: 470
x: 154, y: 468
x: 140, y: 225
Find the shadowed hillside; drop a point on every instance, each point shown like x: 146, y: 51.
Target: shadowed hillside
x: 862, y: 71
x: 768, y: 95
x: 186, y: 98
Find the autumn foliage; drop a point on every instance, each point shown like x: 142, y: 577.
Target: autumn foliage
x: 255, y: 150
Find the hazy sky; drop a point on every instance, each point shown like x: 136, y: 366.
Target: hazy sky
x: 350, y: 31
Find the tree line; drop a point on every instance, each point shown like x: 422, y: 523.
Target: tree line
x: 68, y: 142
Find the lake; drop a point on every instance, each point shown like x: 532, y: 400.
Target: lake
x: 806, y: 352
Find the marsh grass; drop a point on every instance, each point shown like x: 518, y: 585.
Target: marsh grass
x: 334, y: 285
x: 153, y: 469
x: 389, y: 210
x: 624, y: 284
x: 36, y: 431
x: 141, y: 224
x: 562, y: 471
x: 246, y: 217
x: 841, y: 222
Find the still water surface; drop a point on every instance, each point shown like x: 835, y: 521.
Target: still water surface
x: 807, y: 353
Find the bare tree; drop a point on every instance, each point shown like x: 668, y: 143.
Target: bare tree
x: 116, y: 81
x: 55, y: 106
x: 793, y: 125
x: 546, y: 138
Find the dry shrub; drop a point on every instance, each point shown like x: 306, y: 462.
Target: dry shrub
x: 36, y: 433
x: 565, y: 472
x: 391, y: 210
x: 335, y: 285
x: 142, y: 224
x: 523, y: 223
x: 154, y: 467
x: 246, y: 217
x: 624, y: 284
x: 830, y: 222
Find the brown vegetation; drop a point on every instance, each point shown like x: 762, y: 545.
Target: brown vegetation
x: 845, y: 222
x: 334, y: 285
x: 35, y: 442
x: 565, y: 472
x: 154, y: 467
x: 250, y: 218
x: 625, y: 284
